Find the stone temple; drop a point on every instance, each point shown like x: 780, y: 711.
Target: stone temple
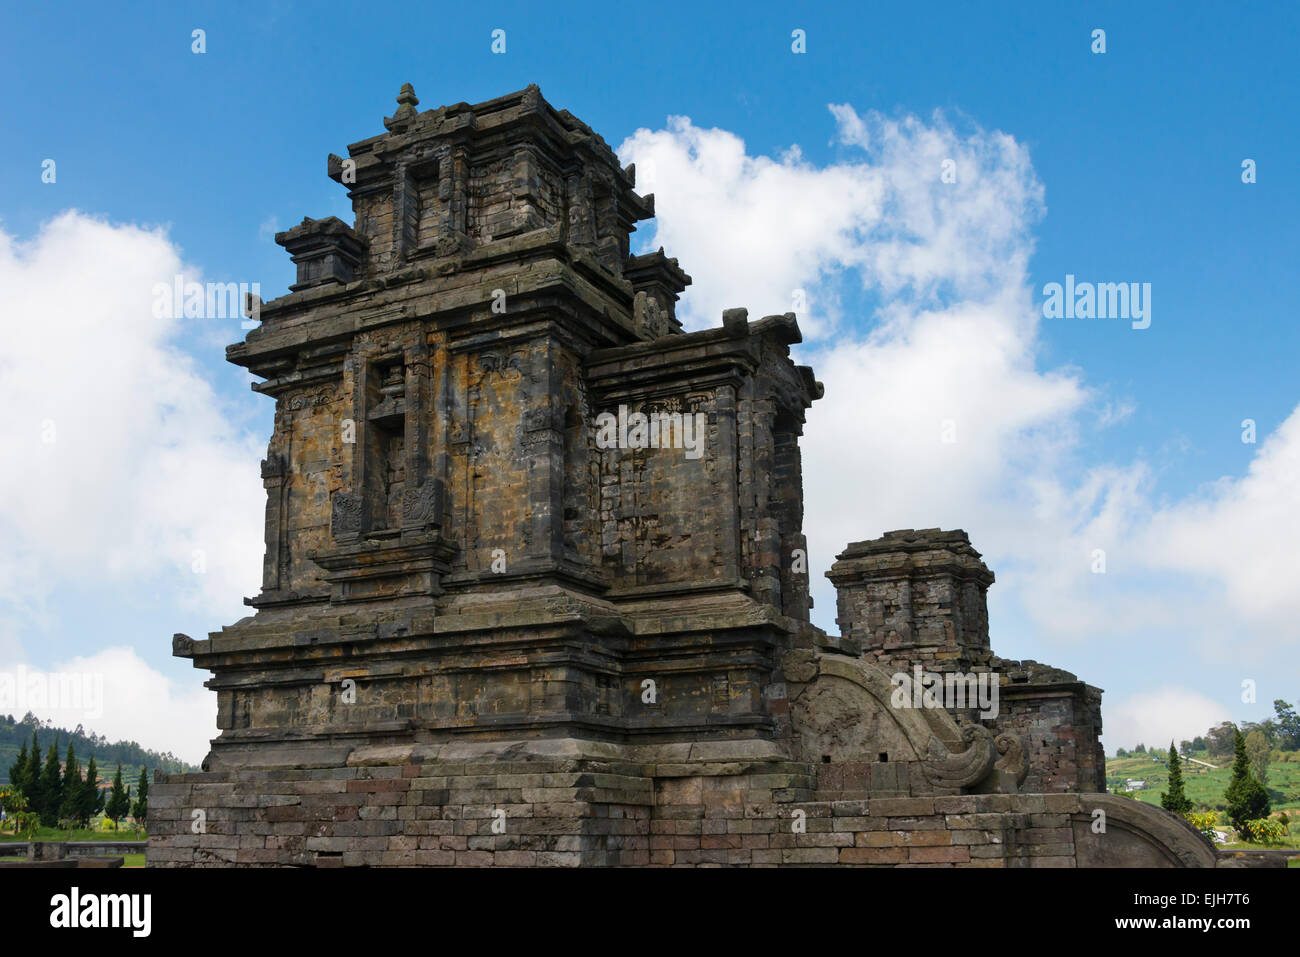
x: 487, y: 637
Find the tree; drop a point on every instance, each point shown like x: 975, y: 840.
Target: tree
x: 1220, y: 738
x: 1175, y: 799
x: 1140, y: 749
x: 1198, y: 743
x: 1288, y: 726
x: 1260, y: 753
x: 92, y: 798
x: 1267, y: 728
x: 14, y: 803
x: 18, y: 770
x: 70, y: 805
x: 140, y: 809
x: 32, y: 779
x: 50, y: 789
x: 12, y: 800
x: 119, y: 801
x: 1246, y: 798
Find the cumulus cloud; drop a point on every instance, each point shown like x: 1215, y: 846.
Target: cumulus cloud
x: 788, y: 224
x: 1241, y: 533
x: 126, y: 464
x: 124, y: 468
x: 118, y: 695
x: 938, y: 411
x: 1158, y: 716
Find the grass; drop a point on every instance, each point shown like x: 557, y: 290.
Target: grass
x: 128, y: 860
x: 80, y: 834
x: 77, y: 834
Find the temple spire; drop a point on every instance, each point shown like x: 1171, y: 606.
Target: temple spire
x: 407, y: 102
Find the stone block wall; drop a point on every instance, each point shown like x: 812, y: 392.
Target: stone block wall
x: 1058, y: 720
x: 563, y: 815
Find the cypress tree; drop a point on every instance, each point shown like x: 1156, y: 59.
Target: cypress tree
x: 140, y: 809
x: 1175, y: 799
x: 92, y: 799
x: 1246, y: 798
x: 119, y: 801
x: 32, y: 779
x: 70, y: 805
x: 18, y: 770
x: 51, y: 789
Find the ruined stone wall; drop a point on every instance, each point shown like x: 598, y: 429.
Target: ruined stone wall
x: 300, y: 474
x: 580, y: 525
x: 513, y: 195
x: 375, y: 211
x: 1059, y: 725
x: 561, y: 815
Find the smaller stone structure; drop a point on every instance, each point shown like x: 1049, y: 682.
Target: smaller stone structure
x: 920, y: 598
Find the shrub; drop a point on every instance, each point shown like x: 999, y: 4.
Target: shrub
x: 1264, y: 830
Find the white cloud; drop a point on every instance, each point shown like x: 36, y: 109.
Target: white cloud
x: 1160, y: 715
x: 1241, y: 533
x: 953, y: 342
x: 116, y: 694
x: 124, y: 467
x: 125, y: 464
x: 787, y: 223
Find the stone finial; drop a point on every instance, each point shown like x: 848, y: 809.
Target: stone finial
x: 324, y: 250
x: 736, y: 322
x: 407, y: 102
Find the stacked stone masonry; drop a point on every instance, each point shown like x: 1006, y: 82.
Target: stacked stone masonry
x: 511, y: 815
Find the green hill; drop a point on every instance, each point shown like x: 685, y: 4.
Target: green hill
x: 1204, y: 786
x: 13, y: 733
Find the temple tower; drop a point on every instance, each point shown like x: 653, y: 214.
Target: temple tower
x: 453, y: 547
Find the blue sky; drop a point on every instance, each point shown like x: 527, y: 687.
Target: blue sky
x: 1137, y: 151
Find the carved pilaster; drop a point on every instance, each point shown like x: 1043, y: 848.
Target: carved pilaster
x: 544, y: 447
x: 276, y: 558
